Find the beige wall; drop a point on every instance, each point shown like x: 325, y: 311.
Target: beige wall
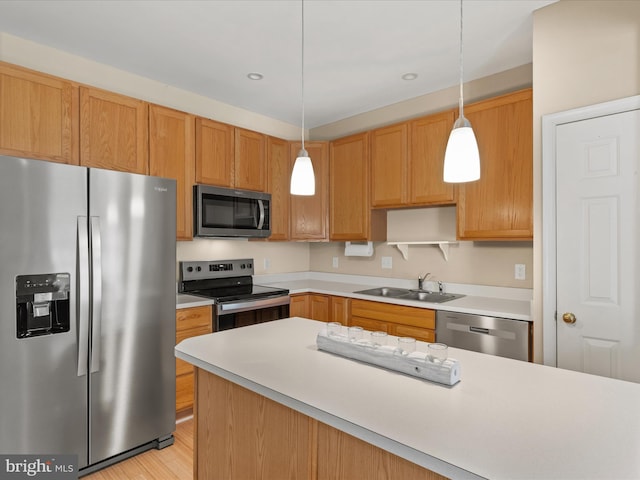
x: 503, y: 82
x: 72, y: 67
x: 282, y: 257
x: 584, y: 52
x: 482, y: 263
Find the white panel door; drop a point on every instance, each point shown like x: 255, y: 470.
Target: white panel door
x: 598, y: 245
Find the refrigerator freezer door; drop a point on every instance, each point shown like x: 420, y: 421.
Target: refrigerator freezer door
x: 43, y: 400
x: 132, y: 392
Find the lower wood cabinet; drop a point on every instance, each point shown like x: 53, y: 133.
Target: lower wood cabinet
x: 190, y: 322
x: 324, y: 308
x: 241, y: 434
x: 398, y: 320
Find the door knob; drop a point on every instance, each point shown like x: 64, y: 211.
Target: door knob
x: 569, y: 318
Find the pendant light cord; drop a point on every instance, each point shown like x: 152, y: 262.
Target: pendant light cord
x: 461, y: 94
x: 302, y: 76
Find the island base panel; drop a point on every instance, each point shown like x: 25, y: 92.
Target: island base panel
x: 241, y: 434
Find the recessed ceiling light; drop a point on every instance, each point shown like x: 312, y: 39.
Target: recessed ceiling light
x: 409, y: 76
x: 254, y: 76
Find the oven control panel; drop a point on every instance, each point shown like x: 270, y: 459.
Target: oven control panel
x: 201, y: 270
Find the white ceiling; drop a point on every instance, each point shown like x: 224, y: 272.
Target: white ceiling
x: 355, y: 50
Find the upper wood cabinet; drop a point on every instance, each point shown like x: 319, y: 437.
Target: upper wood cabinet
x: 172, y: 155
x: 428, y: 142
x: 113, y: 131
x: 309, y: 214
x: 250, y: 160
x: 350, y: 213
x: 278, y: 179
x: 499, y: 206
x: 407, y: 162
x: 389, y: 164
x: 38, y: 116
x: 230, y: 157
x: 214, y: 153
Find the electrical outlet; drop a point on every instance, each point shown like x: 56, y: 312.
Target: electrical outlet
x: 387, y: 262
x: 520, y: 272
x: 267, y: 264
x: 335, y: 262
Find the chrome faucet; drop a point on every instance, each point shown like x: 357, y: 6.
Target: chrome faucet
x: 421, y: 280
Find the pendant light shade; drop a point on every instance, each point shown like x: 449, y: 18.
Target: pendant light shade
x: 303, y: 180
x: 461, y: 158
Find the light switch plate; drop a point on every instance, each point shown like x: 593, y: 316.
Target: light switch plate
x: 387, y: 262
x: 267, y: 264
x: 520, y: 272
x: 335, y: 262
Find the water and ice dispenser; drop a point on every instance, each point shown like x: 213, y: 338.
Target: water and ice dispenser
x: 42, y: 304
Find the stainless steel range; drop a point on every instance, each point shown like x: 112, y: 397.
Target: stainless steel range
x: 238, y: 301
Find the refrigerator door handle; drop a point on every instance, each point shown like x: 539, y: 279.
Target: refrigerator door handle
x: 82, y: 313
x: 96, y: 292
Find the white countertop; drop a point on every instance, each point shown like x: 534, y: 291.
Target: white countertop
x: 506, y: 419
x: 479, y: 305
x: 502, y: 303
x: 187, y: 301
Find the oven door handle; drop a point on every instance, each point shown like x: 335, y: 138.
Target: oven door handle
x: 247, y: 305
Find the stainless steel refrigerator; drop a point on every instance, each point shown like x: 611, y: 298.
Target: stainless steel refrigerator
x: 87, y: 311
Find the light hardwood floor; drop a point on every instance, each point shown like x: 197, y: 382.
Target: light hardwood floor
x: 171, y: 463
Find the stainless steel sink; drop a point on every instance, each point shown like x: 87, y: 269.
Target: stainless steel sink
x: 431, y: 297
x: 385, y: 292
x: 406, y: 294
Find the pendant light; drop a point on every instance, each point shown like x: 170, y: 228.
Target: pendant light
x: 303, y: 181
x: 461, y: 158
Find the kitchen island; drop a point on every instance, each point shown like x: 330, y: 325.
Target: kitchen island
x: 269, y: 404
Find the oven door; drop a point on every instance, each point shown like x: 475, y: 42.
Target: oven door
x: 240, y: 313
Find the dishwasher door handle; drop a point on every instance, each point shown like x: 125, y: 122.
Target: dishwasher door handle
x: 485, y: 331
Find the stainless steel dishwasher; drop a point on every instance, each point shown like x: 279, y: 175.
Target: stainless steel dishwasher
x: 497, y: 336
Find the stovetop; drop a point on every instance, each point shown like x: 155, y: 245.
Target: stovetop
x: 224, y: 281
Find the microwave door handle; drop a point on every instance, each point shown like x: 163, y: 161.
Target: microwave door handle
x: 261, y: 219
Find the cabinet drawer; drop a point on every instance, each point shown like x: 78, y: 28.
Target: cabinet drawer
x: 184, y: 392
x: 369, y: 324
x: 421, y: 334
x: 412, y: 316
x: 193, y: 318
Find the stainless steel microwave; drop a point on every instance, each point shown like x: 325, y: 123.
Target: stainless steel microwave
x: 227, y: 212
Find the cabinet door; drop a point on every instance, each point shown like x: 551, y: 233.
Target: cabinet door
x: 350, y: 214
x: 389, y: 162
x: 172, y: 155
x: 299, y: 306
x: 214, y: 153
x: 309, y: 214
x: 278, y: 179
x: 189, y: 323
x: 113, y: 131
x: 38, y: 116
x: 339, y: 309
x: 429, y: 136
x: 499, y: 206
x: 250, y: 160
x: 319, y: 307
